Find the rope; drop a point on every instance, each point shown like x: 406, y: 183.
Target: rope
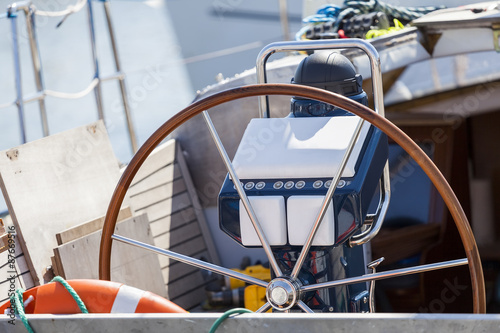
x: 68, y: 11
x: 380, y: 32
x: 226, y: 314
x: 401, y: 13
x: 6, y: 105
x: 330, y: 13
x: 76, y: 95
x: 72, y: 292
x: 16, y: 301
x: 58, y: 94
x: 324, y: 14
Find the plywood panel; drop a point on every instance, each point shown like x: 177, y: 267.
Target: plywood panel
x: 191, y: 299
x: 55, y: 183
x: 164, y: 175
x: 177, y: 236
x: 197, y: 208
x: 19, y: 273
x: 86, y: 228
x: 165, y: 191
x: 130, y: 265
x: 162, y: 156
x: 184, y: 285
x: 177, y: 269
x: 189, y: 248
x: 173, y: 221
x: 166, y: 207
x: 158, y: 193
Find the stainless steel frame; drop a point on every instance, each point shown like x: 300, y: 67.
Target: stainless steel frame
x: 30, y: 12
x: 378, y: 100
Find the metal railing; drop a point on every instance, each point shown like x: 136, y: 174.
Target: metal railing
x: 30, y: 11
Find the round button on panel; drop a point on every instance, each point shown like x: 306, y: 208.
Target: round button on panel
x: 278, y: 185
x: 234, y: 186
x: 260, y: 185
x: 318, y: 184
x: 249, y: 185
x: 289, y: 185
x: 300, y: 184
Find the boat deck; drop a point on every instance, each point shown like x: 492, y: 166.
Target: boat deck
x: 283, y: 322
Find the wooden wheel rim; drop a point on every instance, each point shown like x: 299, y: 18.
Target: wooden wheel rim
x: 451, y: 201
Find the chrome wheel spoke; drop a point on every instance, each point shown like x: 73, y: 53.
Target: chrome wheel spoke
x: 386, y: 274
x: 242, y: 194
x: 304, y: 307
x: 326, y: 201
x: 264, y: 308
x: 192, y: 261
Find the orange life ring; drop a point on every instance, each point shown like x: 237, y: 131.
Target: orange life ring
x: 99, y: 296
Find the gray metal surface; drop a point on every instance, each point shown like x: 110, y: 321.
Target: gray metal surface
x: 266, y: 322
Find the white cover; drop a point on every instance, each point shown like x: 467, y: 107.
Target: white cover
x: 302, y: 211
x: 270, y: 211
x: 297, y: 147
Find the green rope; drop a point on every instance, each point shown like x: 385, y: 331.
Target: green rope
x: 16, y: 301
x: 225, y: 316
x: 72, y: 292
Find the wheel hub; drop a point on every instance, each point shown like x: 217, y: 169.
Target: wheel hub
x: 283, y: 293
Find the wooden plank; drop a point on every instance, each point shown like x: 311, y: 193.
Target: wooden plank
x: 166, y: 174
x: 178, y: 269
x: 191, y: 299
x: 177, y: 236
x: 184, y: 285
x: 166, y: 207
x: 188, y: 248
x: 158, y: 193
x: 207, y: 236
x: 55, y: 183
x: 24, y: 280
x: 55, y: 267
x: 135, y: 267
x: 20, y: 266
x: 89, y: 227
x: 58, y: 263
x: 173, y: 221
x: 161, y: 156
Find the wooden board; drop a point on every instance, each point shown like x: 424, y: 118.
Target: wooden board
x: 19, y: 274
x: 130, y: 265
x: 55, y: 183
x: 86, y: 228
x: 164, y: 191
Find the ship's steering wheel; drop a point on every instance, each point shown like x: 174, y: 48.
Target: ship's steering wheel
x: 463, y: 226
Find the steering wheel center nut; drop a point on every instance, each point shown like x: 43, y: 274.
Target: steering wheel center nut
x: 282, y: 293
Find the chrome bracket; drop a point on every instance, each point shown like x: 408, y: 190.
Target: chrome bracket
x: 373, y: 266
